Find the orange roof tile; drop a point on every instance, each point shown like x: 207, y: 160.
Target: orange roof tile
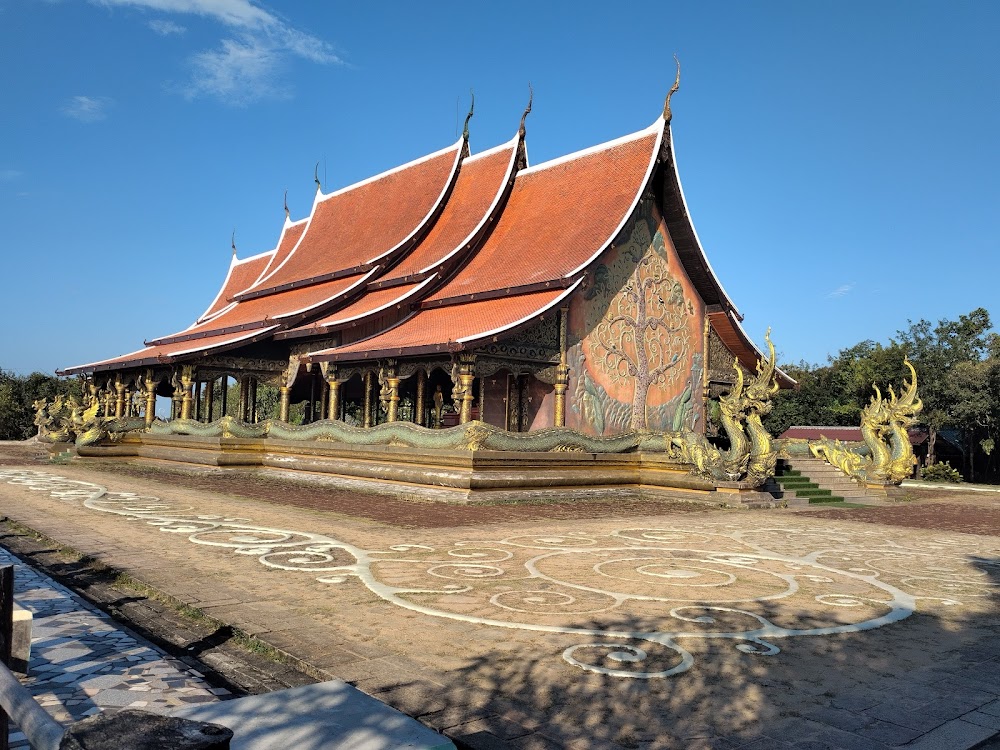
x: 372, y: 303
x: 449, y: 328
x: 561, y: 215
x: 363, y: 222
x: 290, y: 236
x: 478, y: 189
x: 242, y: 273
x: 257, y: 312
x: 168, y: 352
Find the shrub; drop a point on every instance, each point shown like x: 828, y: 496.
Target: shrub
x: 940, y: 472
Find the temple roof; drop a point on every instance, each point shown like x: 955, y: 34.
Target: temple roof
x: 165, y: 353
x: 560, y: 216
x: 352, y: 228
x: 451, y: 328
x: 241, y: 274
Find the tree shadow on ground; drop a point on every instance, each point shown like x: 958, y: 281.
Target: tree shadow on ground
x: 870, y: 689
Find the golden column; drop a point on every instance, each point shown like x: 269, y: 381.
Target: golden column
x: 393, y: 399
x: 187, y: 381
x: 368, y: 399
x: 421, y: 390
x: 119, y: 397
x: 285, y: 402
x: 466, y: 377
x: 562, y: 372
x: 333, y: 402
x: 150, y: 398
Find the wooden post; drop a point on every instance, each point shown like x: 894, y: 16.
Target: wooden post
x: 253, y: 401
x: 244, y: 413
x: 224, y: 392
x: 562, y: 373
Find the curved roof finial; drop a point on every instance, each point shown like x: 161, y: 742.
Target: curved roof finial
x: 288, y: 215
x: 527, y: 110
x: 319, y: 185
x: 233, y: 241
x: 673, y: 89
x: 472, y: 108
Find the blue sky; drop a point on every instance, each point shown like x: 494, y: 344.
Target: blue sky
x: 839, y: 159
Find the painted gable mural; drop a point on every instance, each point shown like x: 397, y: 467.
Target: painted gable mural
x: 635, y: 334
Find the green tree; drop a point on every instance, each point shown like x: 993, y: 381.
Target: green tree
x: 17, y: 396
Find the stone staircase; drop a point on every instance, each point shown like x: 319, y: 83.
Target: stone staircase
x: 811, y: 480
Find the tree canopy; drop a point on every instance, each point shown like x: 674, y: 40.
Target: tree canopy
x: 19, y: 392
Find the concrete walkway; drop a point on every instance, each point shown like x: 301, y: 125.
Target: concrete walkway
x: 708, y: 629
x: 83, y: 663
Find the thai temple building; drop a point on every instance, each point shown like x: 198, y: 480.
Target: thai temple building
x: 463, y: 289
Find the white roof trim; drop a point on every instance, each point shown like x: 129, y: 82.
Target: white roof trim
x: 320, y: 197
x: 657, y: 128
x: 525, y: 319
x: 490, y: 210
x: 232, y: 264
x: 701, y: 249
x: 364, y: 278
x: 249, y: 334
x: 281, y: 237
x: 335, y: 321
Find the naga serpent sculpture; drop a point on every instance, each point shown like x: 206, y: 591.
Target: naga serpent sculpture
x: 884, y: 428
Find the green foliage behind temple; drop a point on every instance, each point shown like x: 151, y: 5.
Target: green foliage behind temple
x: 19, y: 392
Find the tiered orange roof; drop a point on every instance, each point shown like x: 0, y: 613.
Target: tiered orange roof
x: 353, y: 228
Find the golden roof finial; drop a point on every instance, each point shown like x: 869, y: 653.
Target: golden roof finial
x: 233, y: 242
x: 527, y: 110
x: 673, y: 89
x: 288, y: 215
x: 472, y: 108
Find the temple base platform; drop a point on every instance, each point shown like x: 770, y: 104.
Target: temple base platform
x: 459, y: 476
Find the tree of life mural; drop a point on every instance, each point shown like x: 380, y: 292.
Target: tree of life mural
x: 644, y: 333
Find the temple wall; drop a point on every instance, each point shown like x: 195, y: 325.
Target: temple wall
x: 635, y: 336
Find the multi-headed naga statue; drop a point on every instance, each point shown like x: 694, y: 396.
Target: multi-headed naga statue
x: 884, y: 428
x: 751, y: 457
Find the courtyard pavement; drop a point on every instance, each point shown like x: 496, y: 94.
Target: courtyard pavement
x: 668, y: 626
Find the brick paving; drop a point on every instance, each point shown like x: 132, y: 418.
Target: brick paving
x: 522, y: 631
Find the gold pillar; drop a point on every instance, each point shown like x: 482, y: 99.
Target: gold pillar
x: 119, y: 397
x: 562, y: 372
x: 333, y: 402
x: 324, y: 401
x: 393, y: 399
x: 150, y: 398
x: 285, y: 402
x: 187, y: 382
x: 421, y: 389
x: 368, y: 399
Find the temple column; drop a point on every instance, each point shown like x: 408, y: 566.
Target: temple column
x: 421, y: 390
x: 244, y: 398
x: 209, y: 399
x: 187, y: 382
x: 368, y: 399
x: 198, y: 386
x: 252, y: 410
x: 562, y: 373
x: 150, y: 398
x: 393, y: 409
x: 285, y: 402
x: 108, y: 398
x: 224, y: 394
x: 466, y: 378
x: 329, y: 372
x: 324, y: 400
x: 119, y: 397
